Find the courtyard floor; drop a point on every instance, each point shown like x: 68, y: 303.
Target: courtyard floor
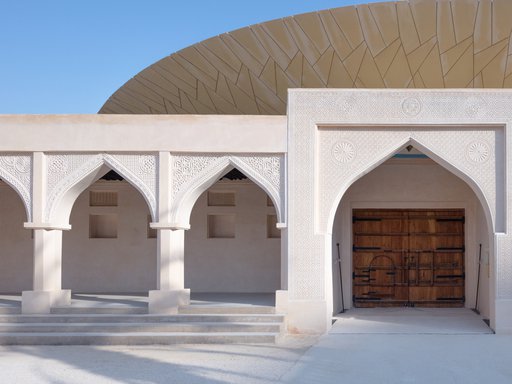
x: 364, y: 346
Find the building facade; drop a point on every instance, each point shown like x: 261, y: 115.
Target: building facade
x: 354, y: 197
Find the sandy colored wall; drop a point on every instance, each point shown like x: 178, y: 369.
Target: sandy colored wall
x: 16, y: 263
x: 175, y: 133
x: 411, y: 184
x: 124, y: 264
x: 249, y: 262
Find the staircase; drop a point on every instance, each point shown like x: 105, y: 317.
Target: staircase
x: 128, y: 325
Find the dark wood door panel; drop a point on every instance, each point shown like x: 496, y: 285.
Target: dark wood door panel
x: 408, y: 257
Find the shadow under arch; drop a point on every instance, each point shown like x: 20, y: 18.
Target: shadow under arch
x: 432, y: 155
x: 185, y: 200
x: 83, y: 178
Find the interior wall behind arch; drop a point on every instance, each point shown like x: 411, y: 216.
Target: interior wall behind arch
x: 125, y: 264
x: 412, y: 183
x: 239, y: 255
x: 16, y: 246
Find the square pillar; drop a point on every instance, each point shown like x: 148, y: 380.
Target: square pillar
x: 47, y: 279
x: 171, y: 292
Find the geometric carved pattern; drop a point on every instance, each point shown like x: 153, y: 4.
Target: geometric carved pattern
x: 411, y: 106
x: 16, y: 170
x: 191, y: 171
x: 504, y: 266
x: 406, y: 44
x: 343, y: 151
x: 440, y: 123
x: 185, y: 168
x: 65, y: 170
x: 478, y: 151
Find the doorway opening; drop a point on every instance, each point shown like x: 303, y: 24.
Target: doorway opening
x: 408, y: 257
x: 411, y: 233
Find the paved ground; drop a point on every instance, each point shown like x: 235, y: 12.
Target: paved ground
x: 361, y: 348
x: 187, y: 364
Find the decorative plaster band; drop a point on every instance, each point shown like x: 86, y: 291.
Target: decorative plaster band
x: 66, y: 170
x: 16, y: 170
x: 192, y: 174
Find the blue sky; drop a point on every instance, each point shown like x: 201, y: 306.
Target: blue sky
x: 69, y: 56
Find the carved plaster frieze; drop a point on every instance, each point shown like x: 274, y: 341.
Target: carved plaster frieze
x: 187, y: 167
x: 63, y: 171
x: 141, y: 171
x: 504, y: 266
x: 16, y: 170
x: 195, y: 172
x: 66, y: 170
x: 323, y: 161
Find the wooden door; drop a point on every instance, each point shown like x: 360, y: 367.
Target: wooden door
x: 408, y: 257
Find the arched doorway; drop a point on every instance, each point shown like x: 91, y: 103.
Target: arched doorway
x: 110, y: 248
x: 233, y: 246
x: 428, y: 226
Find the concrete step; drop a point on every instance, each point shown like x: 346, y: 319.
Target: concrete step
x: 108, y: 318
x: 202, y: 327
x: 135, y: 338
x: 10, y: 310
x: 226, y: 309
x: 108, y: 310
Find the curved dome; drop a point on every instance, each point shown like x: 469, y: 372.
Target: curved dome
x: 407, y: 44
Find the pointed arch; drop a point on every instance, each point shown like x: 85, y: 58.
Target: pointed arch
x: 185, y: 199
x: 22, y: 193
x: 62, y: 198
x: 431, y: 153
x: 16, y: 171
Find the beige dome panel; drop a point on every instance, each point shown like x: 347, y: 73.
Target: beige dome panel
x: 406, y: 44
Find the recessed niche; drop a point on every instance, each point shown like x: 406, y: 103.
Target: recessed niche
x: 152, y: 233
x: 272, y: 231
x: 103, y: 226
x: 221, y: 226
x: 221, y: 199
x: 103, y: 199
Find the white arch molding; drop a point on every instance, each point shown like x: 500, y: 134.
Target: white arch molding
x: 16, y: 171
x: 350, y: 174
x: 337, y: 136
x: 194, y: 174
x: 68, y: 175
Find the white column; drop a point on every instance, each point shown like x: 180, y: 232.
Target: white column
x: 47, y: 278
x: 47, y: 260
x: 171, y: 258
x: 170, y: 292
x: 282, y: 294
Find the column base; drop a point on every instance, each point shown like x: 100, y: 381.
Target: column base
x: 35, y: 302
x: 61, y: 298
x: 281, y: 301
x: 41, y: 302
x: 308, y: 317
x: 166, y: 301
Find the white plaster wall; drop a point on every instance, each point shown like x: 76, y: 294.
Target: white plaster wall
x: 483, y: 237
x: 404, y: 183
x: 122, y: 265
x: 16, y: 261
x: 250, y: 262
x: 114, y: 133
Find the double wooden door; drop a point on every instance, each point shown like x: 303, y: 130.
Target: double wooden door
x: 408, y: 257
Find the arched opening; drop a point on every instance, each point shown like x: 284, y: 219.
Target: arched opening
x: 233, y: 248
x: 110, y: 248
x: 410, y: 234
x: 16, y: 247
